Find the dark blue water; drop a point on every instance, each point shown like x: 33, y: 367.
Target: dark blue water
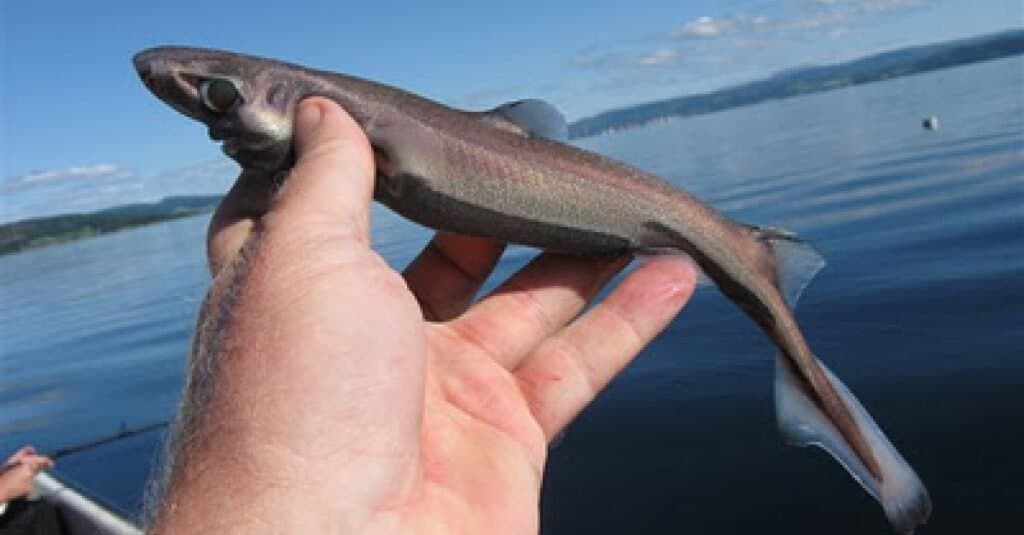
x: 919, y: 311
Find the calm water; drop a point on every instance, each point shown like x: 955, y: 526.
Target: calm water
x: 919, y: 312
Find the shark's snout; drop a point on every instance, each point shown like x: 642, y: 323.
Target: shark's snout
x: 151, y: 69
x: 147, y: 63
x: 142, y: 63
x: 167, y: 76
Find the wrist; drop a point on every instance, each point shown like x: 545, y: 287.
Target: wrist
x: 7, y: 489
x: 244, y: 484
x: 7, y: 494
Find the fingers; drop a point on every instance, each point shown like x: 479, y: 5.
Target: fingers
x: 38, y: 463
x: 449, y: 271
x: 25, y: 450
x: 31, y: 462
x: 332, y: 183
x: 533, y: 304
x: 22, y: 453
x: 568, y: 370
x: 235, y: 217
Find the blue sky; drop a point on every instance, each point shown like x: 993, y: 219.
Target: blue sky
x: 80, y: 132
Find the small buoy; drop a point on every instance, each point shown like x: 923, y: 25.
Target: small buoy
x: 930, y: 123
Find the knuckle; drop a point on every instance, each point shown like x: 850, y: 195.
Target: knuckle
x: 479, y: 333
x: 625, y: 327
x: 531, y: 308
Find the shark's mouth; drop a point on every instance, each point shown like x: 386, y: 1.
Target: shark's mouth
x: 233, y: 147
x: 262, y: 153
x: 236, y: 143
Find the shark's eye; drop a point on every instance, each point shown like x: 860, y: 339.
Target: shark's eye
x: 219, y: 96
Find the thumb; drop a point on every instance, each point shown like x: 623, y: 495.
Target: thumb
x: 332, y: 181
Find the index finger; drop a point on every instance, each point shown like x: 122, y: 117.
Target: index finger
x: 237, y: 213
x: 331, y: 184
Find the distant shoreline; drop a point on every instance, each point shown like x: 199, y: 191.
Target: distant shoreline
x: 53, y: 230
x: 807, y: 80
x: 45, y: 231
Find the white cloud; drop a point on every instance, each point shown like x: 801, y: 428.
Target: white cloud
x: 705, y: 27
x: 103, y: 171
x: 822, y: 14
x: 722, y: 47
x: 660, y: 56
x: 94, y: 187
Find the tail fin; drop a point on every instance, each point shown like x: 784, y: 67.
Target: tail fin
x: 803, y: 421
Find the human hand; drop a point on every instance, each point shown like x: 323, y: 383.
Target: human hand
x: 18, y: 474
x: 328, y: 393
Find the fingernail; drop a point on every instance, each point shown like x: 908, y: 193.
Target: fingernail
x: 308, y: 117
x: 666, y: 291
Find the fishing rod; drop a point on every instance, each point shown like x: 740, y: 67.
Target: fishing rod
x: 123, y: 433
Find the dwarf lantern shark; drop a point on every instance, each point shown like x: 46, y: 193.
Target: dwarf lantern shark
x: 509, y: 174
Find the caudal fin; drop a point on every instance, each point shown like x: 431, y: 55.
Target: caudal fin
x: 803, y: 420
x: 803, y: 423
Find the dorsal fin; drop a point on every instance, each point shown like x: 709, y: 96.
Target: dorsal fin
x: 530, y: 117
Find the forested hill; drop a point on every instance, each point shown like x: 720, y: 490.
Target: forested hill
x: 43, y: 231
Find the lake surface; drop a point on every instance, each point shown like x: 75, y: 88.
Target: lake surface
x: 919, y: 312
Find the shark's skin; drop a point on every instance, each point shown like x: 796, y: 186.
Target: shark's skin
x: 480, y: 174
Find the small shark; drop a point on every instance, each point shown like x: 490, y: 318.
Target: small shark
x: 508, y: 174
